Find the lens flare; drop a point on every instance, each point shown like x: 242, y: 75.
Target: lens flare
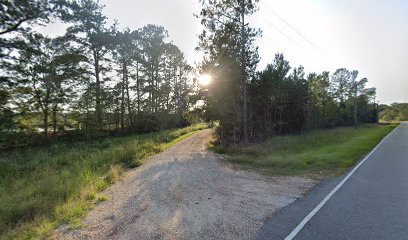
x: 204, y: 79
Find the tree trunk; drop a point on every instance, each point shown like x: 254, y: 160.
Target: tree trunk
x: 355, y: 106
x: 243, y: 84
x: 138, y: 87
x: 175, y: 88
x: 151, y: 97
x: 156, y: 88
x: 54, y: 119
x: 122, y: 103
x: 45, y: 112
x: 87, y: 120
x: 129, y: 106
x: 179, y: 110
x: 98, y: 108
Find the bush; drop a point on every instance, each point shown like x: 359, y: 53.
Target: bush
x: 145, y: 123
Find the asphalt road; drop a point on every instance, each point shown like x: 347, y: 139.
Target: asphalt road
x: 371, y: 204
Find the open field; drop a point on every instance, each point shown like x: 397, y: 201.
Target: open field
x: 318, y: 153
x: 41, y: 188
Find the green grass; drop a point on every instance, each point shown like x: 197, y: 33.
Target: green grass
x: 317, y: 154
x: 42, y: 188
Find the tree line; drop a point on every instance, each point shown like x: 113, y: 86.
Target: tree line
x: 94, y: 78
x: 252, y: 105
x: 97, y: 78
x: 393, y: 112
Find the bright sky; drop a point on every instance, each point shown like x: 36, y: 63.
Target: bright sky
x: 368, y: 35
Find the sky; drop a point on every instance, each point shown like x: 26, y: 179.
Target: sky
x: 370, y: 36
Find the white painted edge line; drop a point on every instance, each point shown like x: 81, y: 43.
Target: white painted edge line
x: 327, y: 198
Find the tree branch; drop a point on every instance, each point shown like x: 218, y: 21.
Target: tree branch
x: 14, y: 27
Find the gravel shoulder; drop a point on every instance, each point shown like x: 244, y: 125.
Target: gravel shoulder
x: 186, y: 193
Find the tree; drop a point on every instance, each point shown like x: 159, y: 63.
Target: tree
x: 320, y: 103
x: 44, y: 70
x: 223, y: 100
x: 176, y: 80
x: 13, y: 14
x: 153, y: 45
x: 70, y: 81
x: 96, y: 39
x: 341, y: 83
x: 394, y: 112
x: 226, y: 33
x: 365, y: 110
x: 126, y: 53
x: 268, y: 97
x: 16, y: 20
x: 278, y: 100
x: 67, y: 72
x: 297, y: 90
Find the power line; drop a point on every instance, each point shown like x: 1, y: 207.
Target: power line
x: 285, y: 35
x: 290, y: 26
x: 285, y: 47
x: 282, y: 46
x: 274, y: 41
x: 278, y: 43
x: 317, y: 51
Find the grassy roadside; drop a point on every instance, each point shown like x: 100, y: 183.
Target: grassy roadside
x: 318, y: 153
x: 42, y: 188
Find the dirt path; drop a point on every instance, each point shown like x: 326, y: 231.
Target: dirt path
x: 185, y: 193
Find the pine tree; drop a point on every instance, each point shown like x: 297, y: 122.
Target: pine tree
x: 228, y: 35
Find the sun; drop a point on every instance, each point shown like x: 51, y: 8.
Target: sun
x: 204, y: 79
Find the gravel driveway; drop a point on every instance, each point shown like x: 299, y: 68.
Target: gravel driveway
x: 185, y: 192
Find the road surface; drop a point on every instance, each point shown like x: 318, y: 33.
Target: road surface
x: 371, y: 204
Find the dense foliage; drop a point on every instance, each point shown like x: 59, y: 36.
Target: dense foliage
x: 93, y: 80
x: 394, y: 112
x: 231, y: 58
x: 284, y: 102
x: 98, y: 79
x: 277, y: 100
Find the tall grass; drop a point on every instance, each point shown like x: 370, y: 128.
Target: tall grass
x: 318, y: 153
x: 42, y: 188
